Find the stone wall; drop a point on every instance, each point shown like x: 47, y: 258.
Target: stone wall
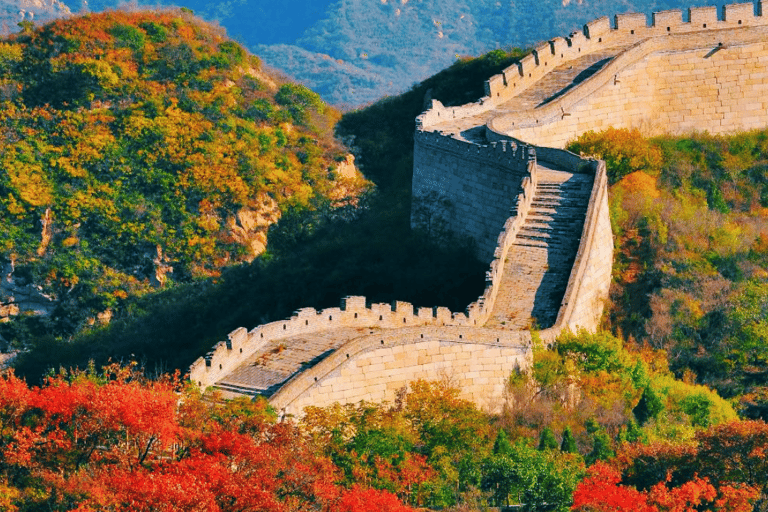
x: 707, y: 80
x: 590, y: 279
x: 373, y: 368
x: 627, y: 28
x: 431, y: 343
x: 354, y: 312
x: 480, y: 184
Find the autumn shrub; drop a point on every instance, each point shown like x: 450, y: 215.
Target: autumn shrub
x: 113, y: 440
x: 624, y: 151
x: 135, y: 139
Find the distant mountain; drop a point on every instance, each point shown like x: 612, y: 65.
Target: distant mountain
x: 363, y: 49
x: 355, y: 51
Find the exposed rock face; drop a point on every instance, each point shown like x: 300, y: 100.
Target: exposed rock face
x: 347, y: 169
x: 6, y: 358
x: 349, y: 183
x: 46, y: 232
x: 250, y: 225
x: 37, y: 11
x: 19, y: 297
x: 161, y: 268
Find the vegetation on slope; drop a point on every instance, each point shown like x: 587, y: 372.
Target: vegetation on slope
x: 691, y: 268
x: 359, y: 51
x: 316, y: 255
x: 140, y: 148
x: 114, y: 441
x: 594, y: 406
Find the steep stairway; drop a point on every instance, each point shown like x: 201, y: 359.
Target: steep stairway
x: 539, y: 263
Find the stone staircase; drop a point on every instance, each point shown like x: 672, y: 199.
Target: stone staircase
x: 539, y: 263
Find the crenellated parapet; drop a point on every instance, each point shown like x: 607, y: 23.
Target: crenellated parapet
x: 626, y: 29
x: 353, y: 312
x: 482, y: 165
x: 634, y: 37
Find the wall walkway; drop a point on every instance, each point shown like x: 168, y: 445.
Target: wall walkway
x: 533, y: 209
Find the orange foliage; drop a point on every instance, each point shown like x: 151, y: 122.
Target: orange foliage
x: 638, y: 182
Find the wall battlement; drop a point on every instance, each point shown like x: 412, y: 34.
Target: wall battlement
x: 674, y: 84
x: 354, y: 312
x: 599, y: 34
x: 491, y: 189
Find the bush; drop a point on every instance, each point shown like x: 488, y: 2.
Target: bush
x: 624, y: 151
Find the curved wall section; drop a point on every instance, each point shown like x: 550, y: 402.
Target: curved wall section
x: 373, y: 368
x: 626, y: 29
x: 712, y: 80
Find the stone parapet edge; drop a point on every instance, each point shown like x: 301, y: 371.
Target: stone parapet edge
x: 595, y: 36
x: 589, y: 233
x: 627, y: 28
x: 502, y: 127
x: 302, y: 382
x: 506, y: 239
x: 354, y: 312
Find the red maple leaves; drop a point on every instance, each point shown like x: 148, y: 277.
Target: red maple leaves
x: 120, y: 442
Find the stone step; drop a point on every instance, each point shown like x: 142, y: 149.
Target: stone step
x: 541, y: 258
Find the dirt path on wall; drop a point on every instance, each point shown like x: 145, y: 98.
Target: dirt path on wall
x: 539, y: 263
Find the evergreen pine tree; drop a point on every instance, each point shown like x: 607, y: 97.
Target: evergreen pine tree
x: 602, y: 448
x: 648, y: 407
x: 502, y: 446
x: 547, y: 440
x: 568, y: 445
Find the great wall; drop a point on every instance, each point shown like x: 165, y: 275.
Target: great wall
x: 538, y: 213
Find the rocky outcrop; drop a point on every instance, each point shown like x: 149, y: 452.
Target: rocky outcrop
x: 250, y: 225
x: 19, y: 296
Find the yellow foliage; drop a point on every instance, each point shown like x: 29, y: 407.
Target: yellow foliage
x: 30, y: 183
x: 8, y: 496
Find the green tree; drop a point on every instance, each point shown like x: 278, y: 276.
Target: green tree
x: 299, y: 101
x: 502, y: 446
x: 531, y: 478
x: 547, y: 440
x: 601, y: 449
x: 649, y: 406
x: 568, y: 445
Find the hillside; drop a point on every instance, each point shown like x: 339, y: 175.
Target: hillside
x: 691, y: 261
x: 354, y: 52
x: 141, y: 150
x: 314, y: 257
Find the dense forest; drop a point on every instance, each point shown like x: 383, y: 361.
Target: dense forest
x: 662, y: 410
x: 141, y: 150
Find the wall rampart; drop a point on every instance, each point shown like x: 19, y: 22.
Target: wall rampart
x: 478, y: 183
x: 596, y: 36
x: 587, y: 289
x: 438, y: 113
x: 599, y: 35
x: 504, y: 242
x: 354, y: 312
x: 705, y: 80
x: 374, y: 367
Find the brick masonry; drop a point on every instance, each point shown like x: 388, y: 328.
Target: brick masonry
x: 666, y: 75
